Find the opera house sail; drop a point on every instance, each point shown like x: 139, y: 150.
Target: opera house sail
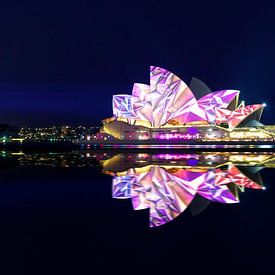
x: 168, y: 110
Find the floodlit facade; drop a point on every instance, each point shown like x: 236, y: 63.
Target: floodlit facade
x: 169, y: 109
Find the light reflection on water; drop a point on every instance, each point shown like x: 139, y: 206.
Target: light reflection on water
x: 166, y: 183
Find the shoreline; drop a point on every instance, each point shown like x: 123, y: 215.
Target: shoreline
x: 142, y: 145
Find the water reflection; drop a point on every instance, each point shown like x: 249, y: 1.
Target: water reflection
x: 165, y: 183
x: 168, y: 191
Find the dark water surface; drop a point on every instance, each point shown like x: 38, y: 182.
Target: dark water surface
x: 57, y: 216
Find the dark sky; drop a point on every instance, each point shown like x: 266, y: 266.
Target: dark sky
x: 61, y: 61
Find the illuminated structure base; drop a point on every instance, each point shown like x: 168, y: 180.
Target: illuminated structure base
x: 120, y: 133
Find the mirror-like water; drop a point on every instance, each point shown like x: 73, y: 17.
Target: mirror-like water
x: 75, y: 210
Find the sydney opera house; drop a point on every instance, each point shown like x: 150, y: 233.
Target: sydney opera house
x: 168, y: 109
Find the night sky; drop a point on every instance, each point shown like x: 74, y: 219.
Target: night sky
x: 61, y: 61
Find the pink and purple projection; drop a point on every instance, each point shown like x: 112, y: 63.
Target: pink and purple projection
x: 169, y: 98
x: 168, y: 192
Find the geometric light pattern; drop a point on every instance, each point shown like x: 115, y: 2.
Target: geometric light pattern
x: 142, y: 109
x: 222, y: 115
x: 219, y: 99
x: 167, y: 193
x: 233, y: 174
x: 192, y: 113
x: 169, y: 98
x: 240, y: 114
x: 122, y: 106
x: 234, y: 118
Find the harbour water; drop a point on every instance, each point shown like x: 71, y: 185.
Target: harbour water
x: 141, y: 211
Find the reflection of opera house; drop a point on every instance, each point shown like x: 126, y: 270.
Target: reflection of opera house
x: 168, y: 109
x: 168, y: 184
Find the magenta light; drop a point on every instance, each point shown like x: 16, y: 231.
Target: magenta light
x: 175, y: 156
x: 178, y: 136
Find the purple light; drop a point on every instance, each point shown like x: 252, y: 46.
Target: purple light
x: 175, y: 156
x: 192, y: 162
x: 178, y: 136
x: 192, y: 131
